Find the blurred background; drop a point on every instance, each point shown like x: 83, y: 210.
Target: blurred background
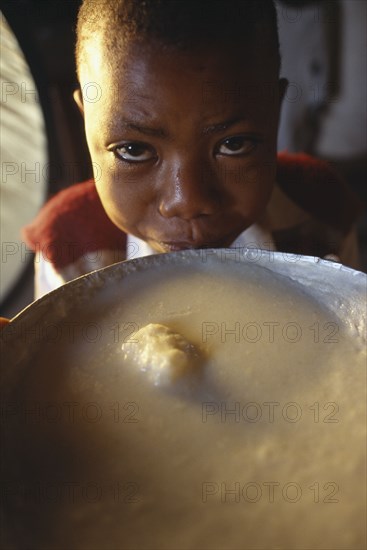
x: 43, y: 148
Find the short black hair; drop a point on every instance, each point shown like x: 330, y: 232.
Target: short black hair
x: 182, y: 24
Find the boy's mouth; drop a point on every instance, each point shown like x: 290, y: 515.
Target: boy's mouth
x: 173, y: 246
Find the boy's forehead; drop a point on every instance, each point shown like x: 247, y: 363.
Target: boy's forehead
x: 213, y: 80
x: 254, y: 57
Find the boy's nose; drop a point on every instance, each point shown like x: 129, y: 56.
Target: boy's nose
x: 189, y: 194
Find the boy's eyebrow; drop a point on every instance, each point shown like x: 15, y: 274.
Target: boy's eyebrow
x: 220, y: 126
x: 125, y: 124
x: 129, y: 125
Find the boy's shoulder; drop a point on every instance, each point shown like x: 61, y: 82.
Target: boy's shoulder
x: 315, y: 186
x: 72, y: 223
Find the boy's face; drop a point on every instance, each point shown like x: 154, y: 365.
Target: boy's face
x: 183, y: 145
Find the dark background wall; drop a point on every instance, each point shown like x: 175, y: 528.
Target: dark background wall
x: 46, y: 33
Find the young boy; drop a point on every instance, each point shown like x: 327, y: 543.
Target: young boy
x: 181, y: 103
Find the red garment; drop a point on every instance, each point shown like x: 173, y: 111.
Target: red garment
x: 72, y: 223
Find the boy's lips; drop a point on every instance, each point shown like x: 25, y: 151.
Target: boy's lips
x: 173, y: 245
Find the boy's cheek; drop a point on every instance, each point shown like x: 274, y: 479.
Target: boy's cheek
x: 126, y: 210
x: 255, y: 178
x: 256, y: 188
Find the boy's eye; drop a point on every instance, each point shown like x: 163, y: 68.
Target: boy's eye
x: 237, y: 146
x: 134, y: 152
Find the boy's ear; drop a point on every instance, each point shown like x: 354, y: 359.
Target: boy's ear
x: 78, y: 98
x: 283, y: 85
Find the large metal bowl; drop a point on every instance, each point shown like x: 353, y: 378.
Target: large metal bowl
x: 95, y: 456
